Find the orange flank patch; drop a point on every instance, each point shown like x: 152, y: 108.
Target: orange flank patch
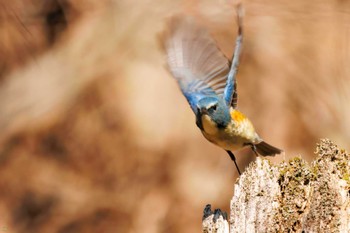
x: 237, y: 116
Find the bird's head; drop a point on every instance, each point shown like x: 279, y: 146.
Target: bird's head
x: 216, y: 109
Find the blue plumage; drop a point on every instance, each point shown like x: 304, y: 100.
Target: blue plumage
x: 196, y: 63
x: 208, y: 81
x: 214, y: 107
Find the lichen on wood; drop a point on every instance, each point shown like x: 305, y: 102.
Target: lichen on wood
x: 295, y: 196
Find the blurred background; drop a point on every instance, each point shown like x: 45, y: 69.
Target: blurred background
x: 95, y: 135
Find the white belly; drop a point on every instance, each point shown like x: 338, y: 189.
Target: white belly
x: 233, y: 137
x: 226, y: 141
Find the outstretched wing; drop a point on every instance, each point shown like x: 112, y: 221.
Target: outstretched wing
x: 195, y: 61
x: 230, y: 92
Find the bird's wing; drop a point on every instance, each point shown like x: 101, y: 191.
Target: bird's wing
x: 230, y: 92
x: 195, y: 61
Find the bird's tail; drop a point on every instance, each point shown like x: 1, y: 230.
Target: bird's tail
x: 266, y: 149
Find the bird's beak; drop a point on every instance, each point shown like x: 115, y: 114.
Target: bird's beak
x: 201, y: 110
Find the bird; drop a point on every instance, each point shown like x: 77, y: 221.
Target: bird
x: 208, y: 81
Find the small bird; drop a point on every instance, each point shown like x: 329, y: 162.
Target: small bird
x: 208, y: 81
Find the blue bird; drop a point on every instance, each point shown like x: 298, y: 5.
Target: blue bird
x: 208, y: 81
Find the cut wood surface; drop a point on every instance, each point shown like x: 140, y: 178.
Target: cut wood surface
x: 292, y: 196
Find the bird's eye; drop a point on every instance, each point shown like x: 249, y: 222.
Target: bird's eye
x: 213, y: 108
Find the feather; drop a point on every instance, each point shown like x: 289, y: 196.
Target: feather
x: 195, y: 61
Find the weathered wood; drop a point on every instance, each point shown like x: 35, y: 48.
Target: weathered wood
x: 214, y: 221
x: 293, y: 196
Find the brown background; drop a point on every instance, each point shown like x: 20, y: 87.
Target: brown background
x: 96, y: 136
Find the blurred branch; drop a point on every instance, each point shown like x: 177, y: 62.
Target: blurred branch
x: 291, y: 197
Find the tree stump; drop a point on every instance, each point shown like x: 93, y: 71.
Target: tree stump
x: 293, y: 196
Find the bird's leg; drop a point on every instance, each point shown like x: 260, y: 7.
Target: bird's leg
x: 232, y: 156
x: 253, y: 147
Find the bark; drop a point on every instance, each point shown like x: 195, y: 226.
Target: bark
x: 293, y: 196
